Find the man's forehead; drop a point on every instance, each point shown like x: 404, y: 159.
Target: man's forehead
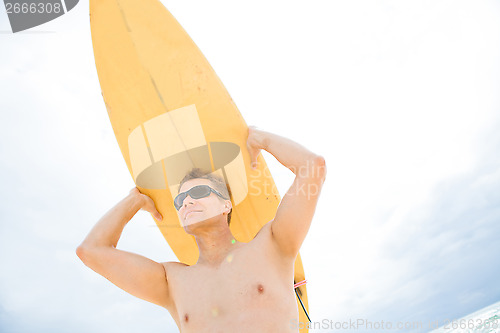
x: 194, y: 182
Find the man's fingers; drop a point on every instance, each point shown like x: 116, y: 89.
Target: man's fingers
x: 150, y: 207
x: 253, y: 146
x: 158, y: 216
x: 253, y: 157
x: 155, y: 213
x: 254, y: 163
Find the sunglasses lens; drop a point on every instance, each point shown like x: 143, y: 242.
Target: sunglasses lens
x: 199, y: 192
x: 179, y: 200
x: 196, y: 192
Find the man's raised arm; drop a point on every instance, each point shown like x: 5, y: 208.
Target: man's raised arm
x: 297, y: 207
x: 137, y: 275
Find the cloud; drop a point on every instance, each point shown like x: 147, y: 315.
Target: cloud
x: 433, y: 261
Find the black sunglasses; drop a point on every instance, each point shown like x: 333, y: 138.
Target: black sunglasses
x: 197, y: 192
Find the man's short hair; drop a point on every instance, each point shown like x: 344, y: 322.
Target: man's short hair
x: 218, y: 183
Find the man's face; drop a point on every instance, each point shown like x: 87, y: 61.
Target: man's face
x: 199, y: 210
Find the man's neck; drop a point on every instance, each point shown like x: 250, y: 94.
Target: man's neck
x: 215, y: 242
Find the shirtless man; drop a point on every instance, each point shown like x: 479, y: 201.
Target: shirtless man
x: 234, y: 286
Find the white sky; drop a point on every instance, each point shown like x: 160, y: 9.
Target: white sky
x: 400, y: 97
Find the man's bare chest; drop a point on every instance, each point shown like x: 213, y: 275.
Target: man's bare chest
x: 243, y: 283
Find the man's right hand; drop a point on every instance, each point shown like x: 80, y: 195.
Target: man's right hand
x: 147, y: 203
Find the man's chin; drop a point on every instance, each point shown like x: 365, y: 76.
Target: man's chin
x: 195, y: 221
x: 192, y: 220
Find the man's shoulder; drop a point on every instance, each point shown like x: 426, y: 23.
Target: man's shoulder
x: 173, y: 265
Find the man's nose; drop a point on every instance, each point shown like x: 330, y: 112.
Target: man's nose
x: 188, y: 201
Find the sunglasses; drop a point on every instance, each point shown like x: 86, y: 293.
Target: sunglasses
x: 197, y: 192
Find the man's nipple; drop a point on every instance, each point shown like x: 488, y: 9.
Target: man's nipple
x: 260, y: 289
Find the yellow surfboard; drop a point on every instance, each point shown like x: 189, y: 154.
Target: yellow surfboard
x: 170, y: 113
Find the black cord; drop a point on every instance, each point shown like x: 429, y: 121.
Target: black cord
x: 303, y: 307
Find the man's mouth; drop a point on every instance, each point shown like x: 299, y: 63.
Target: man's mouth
x: 192, y: 211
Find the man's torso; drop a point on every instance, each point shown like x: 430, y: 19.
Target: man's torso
x: 250, y: 291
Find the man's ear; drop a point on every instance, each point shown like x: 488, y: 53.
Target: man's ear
x: 228, y: 205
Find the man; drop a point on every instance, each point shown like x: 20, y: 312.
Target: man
x: 234, y: 286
